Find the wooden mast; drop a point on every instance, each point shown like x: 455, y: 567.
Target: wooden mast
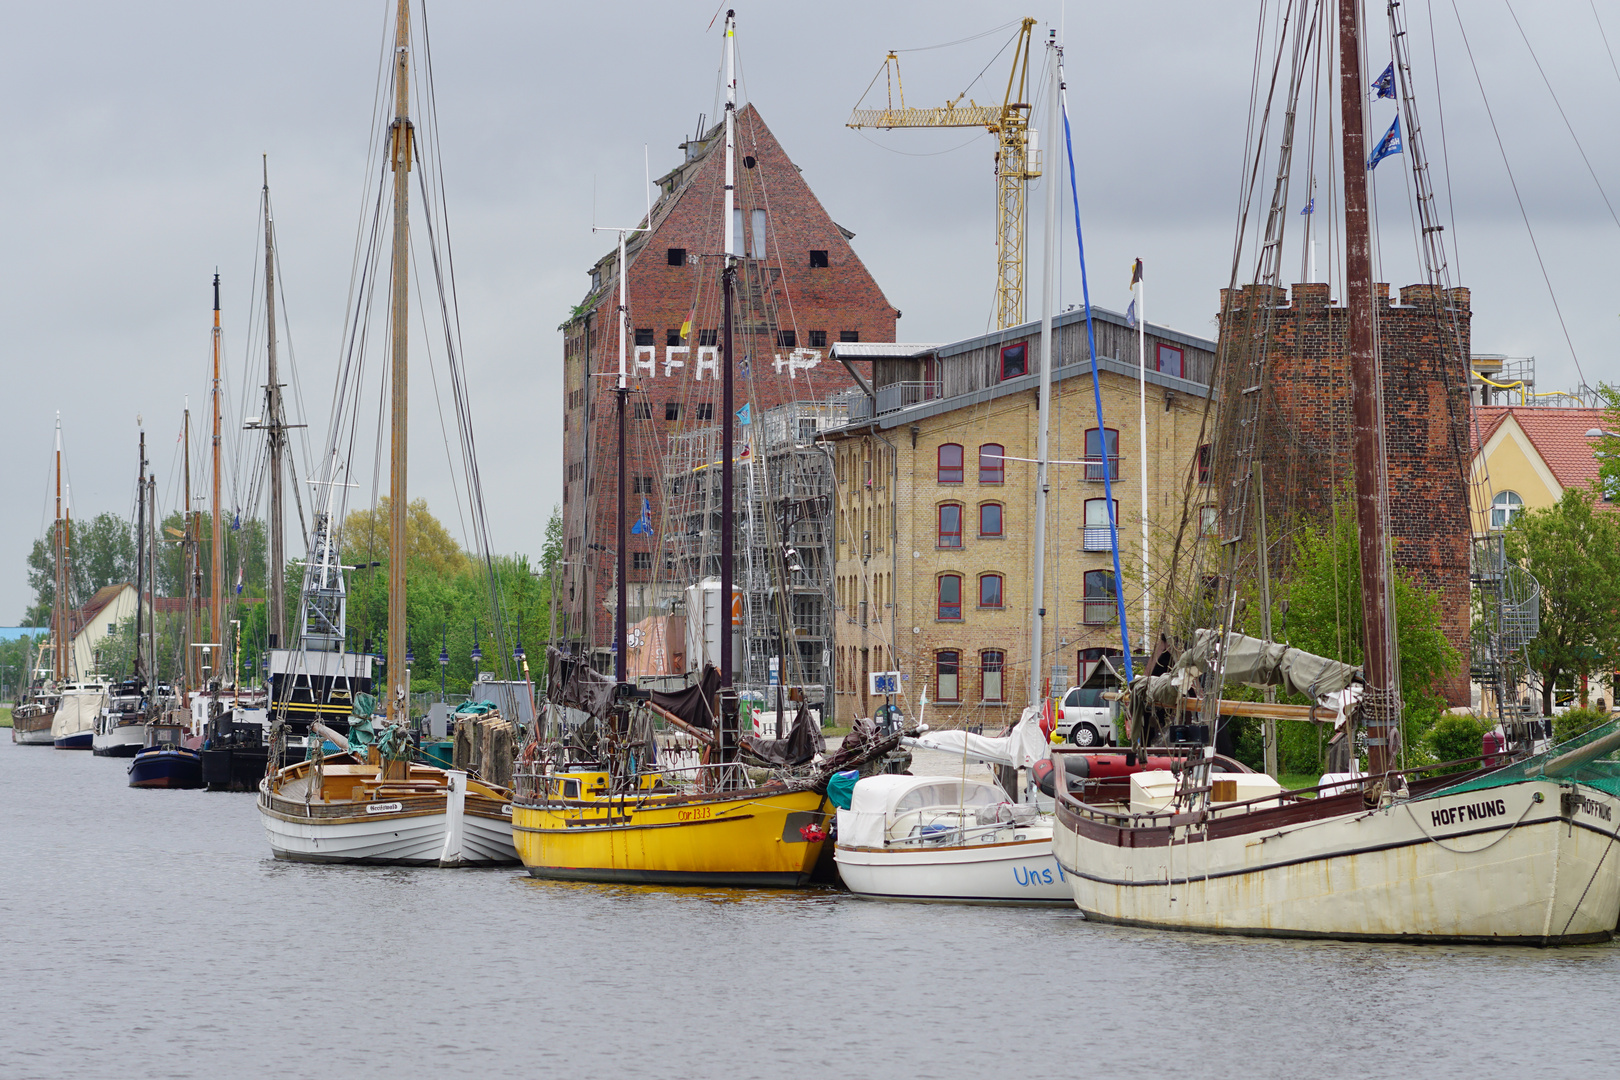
x: 216, y: 564
x: 398, y: 687
x: 140, y: 562
x: 1381, y: 705
x: 189, y: 547
x: 727, y: 395
x: 59, y: 602
x: 275, y: 432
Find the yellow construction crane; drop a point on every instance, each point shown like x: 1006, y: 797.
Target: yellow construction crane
x: 1017, y: 160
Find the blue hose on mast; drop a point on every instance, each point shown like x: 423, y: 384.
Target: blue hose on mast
x: 1096, y: 390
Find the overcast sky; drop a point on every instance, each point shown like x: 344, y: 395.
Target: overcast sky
x: 134, y: 135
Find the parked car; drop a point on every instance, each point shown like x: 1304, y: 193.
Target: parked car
x: 1084, y: 718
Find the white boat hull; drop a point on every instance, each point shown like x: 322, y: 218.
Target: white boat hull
x: 122, y: 740
x: 36, y: 737
x: 1014, y: 872
x: 386, y: 837
x: 1510, y: 864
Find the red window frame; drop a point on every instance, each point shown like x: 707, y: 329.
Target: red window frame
x: 1097, y: 450
x: 947, y: 662
x: 948, y: 537
x: 1001, y: 519
x: 992, y: 660
x: 1019, y: 352
x: 1000, y: 596
x: 1164, y: 350
x: 1202, y: 463
x: 994, y: 469
x: 1100, y: 598
x: 947, y: 609
x: 947, y: 472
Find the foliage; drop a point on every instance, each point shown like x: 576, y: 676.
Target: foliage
x: 101, y: 551
x: 429, y: 545
x: 16, y: 657
x: 1456, y: 736
x: 1607, y: 448
x: 1567, y: 725
x: 1574, y: 553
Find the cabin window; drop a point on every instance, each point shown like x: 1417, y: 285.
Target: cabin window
x: 950, y: 597
x: 1014, y: 360
x: 1099, y: 601
x: 990, y: 665
x: 818, y: 258
x: 989, y: 519
x: 1097, y: 535
x: 950, y: 525
x: 990, y: 590
x: 1506, y: 506
x: 677, y: 256
x: 950, y: 463
x: 947, y: 663
x: 1096, y: 440
x: 644, y: 336
x: 992, y: 463
x: 1168, y: 360
x: 818, y: 339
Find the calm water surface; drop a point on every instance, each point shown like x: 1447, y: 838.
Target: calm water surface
x: 149, y: 933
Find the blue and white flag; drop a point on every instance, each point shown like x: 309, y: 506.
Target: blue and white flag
x: 1130, y: 314
x: 745, y: 415
x: 1310, y: 207
x: 643, y: 525
x: 1385, y: 83
x: 1389, y: 144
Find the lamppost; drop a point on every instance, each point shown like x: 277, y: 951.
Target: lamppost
x: 444, y: 659
x: 477, y: 653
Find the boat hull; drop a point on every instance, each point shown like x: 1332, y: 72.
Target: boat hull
x: 124, y: 740
x: 753, y: 839
x: 78, y: 740
x: 1514, y: 864
x: 179, y: 768
x: 32, y: 730
x: 1013, y: 872
x: 396, y: 832
x: 234, y: 768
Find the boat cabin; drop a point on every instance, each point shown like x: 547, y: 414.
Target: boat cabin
x: 924, y: 810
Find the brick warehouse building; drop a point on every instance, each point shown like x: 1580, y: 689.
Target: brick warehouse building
x: 800, y: 287
x: 1426, y: 411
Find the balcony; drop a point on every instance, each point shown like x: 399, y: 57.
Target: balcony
x: 902, y: 395
x: 1097, y: 538
x: 1100, y: 611
x: 1094, y: 468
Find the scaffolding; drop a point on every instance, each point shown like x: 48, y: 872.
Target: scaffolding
x: 784, y: 521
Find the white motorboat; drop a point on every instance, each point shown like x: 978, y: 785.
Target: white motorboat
x: 121, y: 723
x: 74, y: 726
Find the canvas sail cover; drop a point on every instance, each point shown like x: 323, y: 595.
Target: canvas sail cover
x: 1021, y: 749
x: 570, y: 681
x: 1250, y: 661
x: 800, y: 747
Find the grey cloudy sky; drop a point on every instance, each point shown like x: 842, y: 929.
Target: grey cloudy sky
x: 134, y: 132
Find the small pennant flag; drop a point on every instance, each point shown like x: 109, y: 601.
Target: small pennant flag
x: 1130, y: 314
x: 643, y: 525
x: 1385, y: 83
x: 1310, y: 207
x: 1389, y: 144
x: 1136, y: 271
x: 745, y: 415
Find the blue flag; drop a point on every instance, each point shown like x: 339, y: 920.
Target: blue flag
x: 1310, y: 207
x: 1389, y: 144
x: 1385, y: 83
x: 643, y: 525
x: 1130, y: 315
x: 745, y: 415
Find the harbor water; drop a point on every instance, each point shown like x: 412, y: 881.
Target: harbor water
x: 149, y: 933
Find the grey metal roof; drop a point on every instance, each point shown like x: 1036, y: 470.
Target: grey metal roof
x: 882, y: 350
x: 1076, y: 315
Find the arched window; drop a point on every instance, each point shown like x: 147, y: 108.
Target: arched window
x: 1097, y: 537
x: 947, y: 684
x: 992, y: 466
x: 950, y: 525
x: 1209, y: 520
x: 950, y: 463
x: 1203, y: 463
x: 989, y: 519
x: 990, y: 590
x: 1098, y: 602
x: 1504, y: 508
x: 990, y: 665
x: 1096, y: 440
x: 950, y: 597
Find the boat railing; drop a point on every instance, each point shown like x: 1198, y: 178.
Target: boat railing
x: 534, y: 782
x: 950, y: 835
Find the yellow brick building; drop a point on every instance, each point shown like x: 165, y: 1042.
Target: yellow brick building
x: 935, y: 511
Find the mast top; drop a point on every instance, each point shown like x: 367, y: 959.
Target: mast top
x: 216, y: 291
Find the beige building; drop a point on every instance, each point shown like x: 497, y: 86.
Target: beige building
x: 936, y: 507
x: 1525, y: 456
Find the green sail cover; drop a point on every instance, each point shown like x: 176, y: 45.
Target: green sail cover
x: 361, y: 733
x: 1601, y: 773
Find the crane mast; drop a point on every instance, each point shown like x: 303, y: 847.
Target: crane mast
x: 1017, y: 159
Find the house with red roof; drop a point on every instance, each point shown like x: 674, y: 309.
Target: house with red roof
x: 1527, y: 456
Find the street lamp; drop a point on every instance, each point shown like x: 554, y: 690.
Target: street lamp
x: 517, y: 651
x: 477, y: 653
x: 444, y: 658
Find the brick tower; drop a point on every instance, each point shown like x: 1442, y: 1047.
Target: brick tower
x: 800, y: 287
x: 1307, y: 433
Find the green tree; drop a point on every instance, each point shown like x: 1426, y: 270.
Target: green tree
x: 101, y: 552
x: 1574, y: 554
x: 1607, y: 446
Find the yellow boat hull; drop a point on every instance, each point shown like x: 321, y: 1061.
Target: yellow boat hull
x: 750, y: 839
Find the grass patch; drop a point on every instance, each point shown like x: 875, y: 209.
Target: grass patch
x: 5, y: 715
x: 1295, y: 781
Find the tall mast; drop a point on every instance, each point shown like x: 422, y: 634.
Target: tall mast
x: 729, y: 284
x: 1381, y: 704
x: 274, y: 431
x: 151, y: 576
x: 59, y: 602
x: 1037, y: 648
x: 140, y: 563
x: 398, y: 689
x: 216, y: 565
x: 621, y: 391
x: 193, y: 594
x: 67, y: 575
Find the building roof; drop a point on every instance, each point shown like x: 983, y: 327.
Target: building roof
x: 1558, y: 435
x: 883, y: 350
x: 86, y: 615
x: 1073, y: 315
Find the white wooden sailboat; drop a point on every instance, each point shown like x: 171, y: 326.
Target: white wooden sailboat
x: 1522, y: 854
x: 375, y: 805
x: 948, y: 838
